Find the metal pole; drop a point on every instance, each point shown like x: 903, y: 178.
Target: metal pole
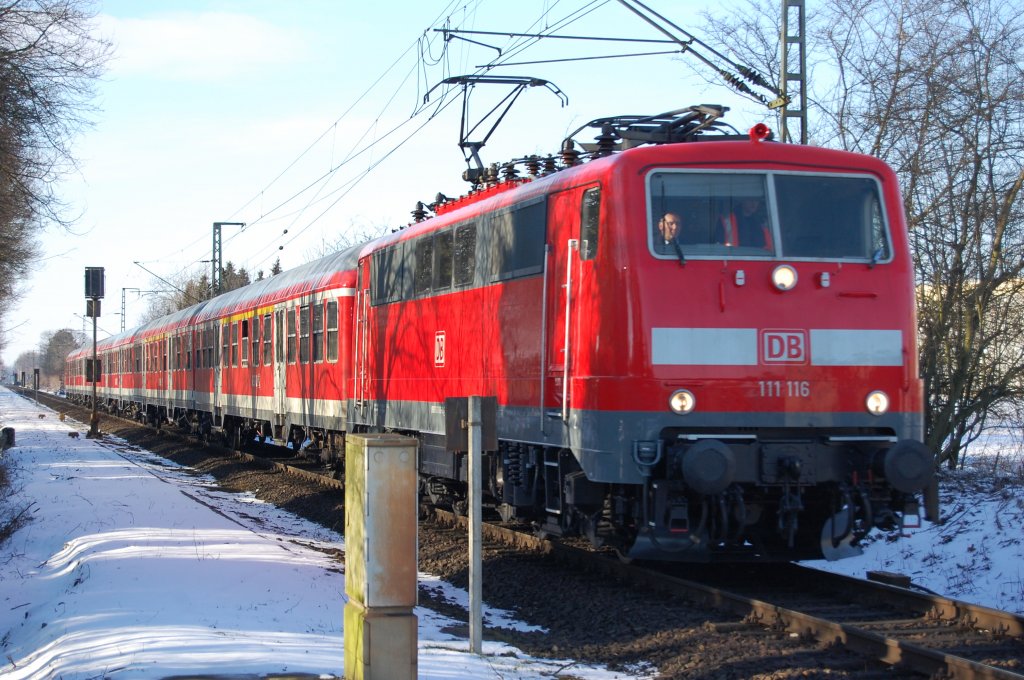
x: 793, y: 74
x: 94, y: 422
x: 217, y: 263
x: 475, y: 530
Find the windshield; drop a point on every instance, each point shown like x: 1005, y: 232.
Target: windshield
x: 765, y: 215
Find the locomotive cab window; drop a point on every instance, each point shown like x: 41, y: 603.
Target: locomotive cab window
x: 829, y: 217
x: 750, y: 215
x: 709, y: 214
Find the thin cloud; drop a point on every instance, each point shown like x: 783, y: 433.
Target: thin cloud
x: 203, y: 46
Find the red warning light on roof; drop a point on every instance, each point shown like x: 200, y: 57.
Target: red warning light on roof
x: 759, y: 132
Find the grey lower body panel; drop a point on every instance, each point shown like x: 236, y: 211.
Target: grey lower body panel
x: 603, y: 441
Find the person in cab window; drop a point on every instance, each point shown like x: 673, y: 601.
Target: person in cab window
x: 747, y: 226
x: 667, y: 240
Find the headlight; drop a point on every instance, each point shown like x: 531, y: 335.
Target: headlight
x: 784, y: 277
x: 682, y: 401
x: 877, y: 403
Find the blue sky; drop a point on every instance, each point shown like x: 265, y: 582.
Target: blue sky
x: 225, y: 110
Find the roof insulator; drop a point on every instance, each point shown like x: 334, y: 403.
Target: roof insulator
x: 533, y: 166
x: 420, y: 213
x: 605, y: 141
x: 570, y: 156
x: 491, y: 175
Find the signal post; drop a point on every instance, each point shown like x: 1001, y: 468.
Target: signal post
x: 93, y: 294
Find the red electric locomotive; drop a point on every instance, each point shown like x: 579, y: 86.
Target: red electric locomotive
x: 702, y: 345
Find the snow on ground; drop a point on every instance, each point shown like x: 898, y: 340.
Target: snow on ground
x: 977, y: 553
x: 134, y: 567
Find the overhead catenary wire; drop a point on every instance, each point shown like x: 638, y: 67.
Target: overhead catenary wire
x: 426, y: 57
x: 423, y: 46
x: 348, y: 187
x: 259, y: 195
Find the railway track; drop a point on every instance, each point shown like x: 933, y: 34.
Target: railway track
x: 921, y: 632
x: 912, y: 631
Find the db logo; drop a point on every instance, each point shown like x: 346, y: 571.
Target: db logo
x: 439, y: 349
x: 783, y: 347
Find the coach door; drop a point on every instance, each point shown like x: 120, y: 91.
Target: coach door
x: 280, y: 367
x: 219, y: 352
x: 563, y: 290
x: 360, y: 376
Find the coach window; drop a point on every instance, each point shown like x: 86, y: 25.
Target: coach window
x: 266, y: 340
x: 255, y: 325
x: 304, y: 334
x: 589, y: 213
x: 279, y: 337
x: 388, y: 275
x: 465, y: 254
x: 225, y: 345
x: 318, y: 333
x: 244, y: 341
x: 443, y: 260
x: 291, y: 336
x: 516, y: 238
x: 177, y: 352
x: 423, y: 265
x: 234, y: 344
x: 188, y: 351
x: 163, y: 351
x: 332, y: 330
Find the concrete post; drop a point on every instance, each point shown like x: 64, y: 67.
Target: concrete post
x: 381, y: 510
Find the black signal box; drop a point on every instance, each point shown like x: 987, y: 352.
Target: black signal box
x: 94, y: 282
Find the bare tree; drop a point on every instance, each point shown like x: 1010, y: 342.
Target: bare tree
x: 936, y: 89
x: 49, y: 62
x: 357, y: 232
x: 54, y: 347
x: 189, y: 289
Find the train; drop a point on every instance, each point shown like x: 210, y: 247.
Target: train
x: 701, y: 345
